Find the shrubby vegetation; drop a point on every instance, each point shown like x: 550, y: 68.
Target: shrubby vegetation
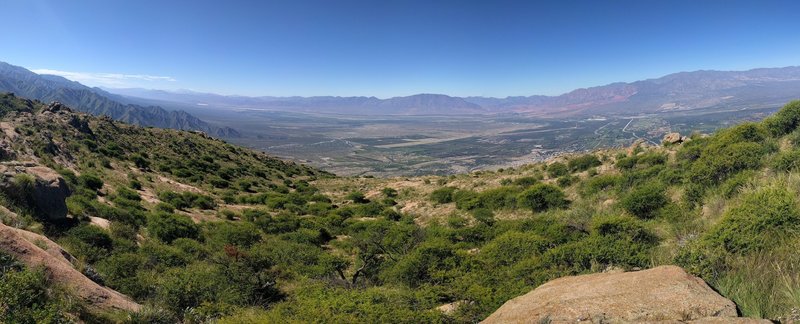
x: 247, y: 238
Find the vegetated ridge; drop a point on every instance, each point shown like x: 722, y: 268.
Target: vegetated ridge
x: 195, y: 230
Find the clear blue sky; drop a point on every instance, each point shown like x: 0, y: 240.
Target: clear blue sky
x: 390, y: 48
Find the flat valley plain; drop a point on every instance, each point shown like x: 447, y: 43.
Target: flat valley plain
x: 387, y: 146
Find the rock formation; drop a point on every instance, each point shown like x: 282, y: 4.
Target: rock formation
x: 49, y: 190
x: 661, y: 294
x: 672, y: 138
x: 35, y: 250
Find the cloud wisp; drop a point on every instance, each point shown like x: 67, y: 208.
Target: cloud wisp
x: 106, y: 79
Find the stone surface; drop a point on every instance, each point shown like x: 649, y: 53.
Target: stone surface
x: 636, y: 144
x: 49, y: 193
x: 672, y: 138
x: 35, y: 250
x: 662, y: 294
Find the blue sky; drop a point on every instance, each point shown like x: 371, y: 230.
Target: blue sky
x: 391, y: 48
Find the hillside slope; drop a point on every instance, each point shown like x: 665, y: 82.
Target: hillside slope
x: 199, y: 230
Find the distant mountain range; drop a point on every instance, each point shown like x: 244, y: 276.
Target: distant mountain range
x: 674, y: 92
x: 95, y: 101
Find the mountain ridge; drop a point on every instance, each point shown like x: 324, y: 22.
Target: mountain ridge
x: 676, y: 91
x: 96, y: 101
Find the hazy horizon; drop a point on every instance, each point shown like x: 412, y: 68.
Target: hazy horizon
x: 181, y: 90
x: 389, y: 49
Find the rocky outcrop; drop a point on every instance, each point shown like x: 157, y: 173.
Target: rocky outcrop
x: 672, y: 138
x: 662, y: 294
x: 49, y: 193
x: 49, y: 190
x: 35, y: 250
x: 639, y: 143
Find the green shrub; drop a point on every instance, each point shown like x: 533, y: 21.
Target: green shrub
x: 128, y: 194
x: 785, y: 120
x: 168, y: 227
x: 389, y: 192
x: 135, y: 184
x: 90, y: 182
x: 616, y: 240
x: 759, y: 221
x: 187, y: 199
x: 731, y: 187
x: 140, y: 161
x: 26, y: 297
x: 431, y: 262
x: 443, y: 195
x: 566, y: 181
x: 542, y: 197
x: 718, y: 163
x: 583, y: 162
x: 467, y: 199
x: 230, y: 233
x: 357, y: 197
x: 651, y: 158
x: 645, y: 201
x: 483, y: 215
x: 599, y: 183
x: 786, y: 161
x: 626, y: 163
x: 557, y: 169
x: 526, y: 181
x: 511, y: 247
x: 499, y: 198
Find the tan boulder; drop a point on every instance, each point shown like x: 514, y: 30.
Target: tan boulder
x: 662, y: 294
x: 672, y: 138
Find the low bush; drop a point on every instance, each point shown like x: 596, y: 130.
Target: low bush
x: 583, y: 162
x: 645, y: 201
x: 443, y: 195
x: 542, y: 197
x: 168, y: 227
x: 557, y: 169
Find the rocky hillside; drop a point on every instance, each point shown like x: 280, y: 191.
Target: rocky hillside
x: 108, y: 222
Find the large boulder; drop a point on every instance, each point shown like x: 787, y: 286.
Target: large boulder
x: 665, y: 293
x: 673, y: 138
x: 49, y: 190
